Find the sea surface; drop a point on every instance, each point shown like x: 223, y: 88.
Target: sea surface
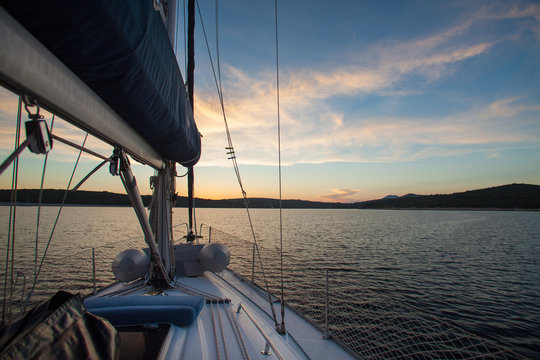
x: 476, y: 270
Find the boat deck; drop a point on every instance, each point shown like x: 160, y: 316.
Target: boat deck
x: 235, y: 322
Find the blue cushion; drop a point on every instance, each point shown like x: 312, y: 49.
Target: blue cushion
x: 133, y: 310
x: 136, y: 315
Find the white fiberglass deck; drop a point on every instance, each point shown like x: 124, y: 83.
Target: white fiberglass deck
x: 222, y: 332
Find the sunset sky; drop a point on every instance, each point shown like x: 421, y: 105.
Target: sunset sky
x: 377, y: 98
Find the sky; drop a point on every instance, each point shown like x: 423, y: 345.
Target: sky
x: 376, y: 98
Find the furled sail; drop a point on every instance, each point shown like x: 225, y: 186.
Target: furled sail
x: 121, y: 50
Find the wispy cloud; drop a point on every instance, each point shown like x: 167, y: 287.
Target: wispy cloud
x: 316, y: 130
x: 507, y: 107
x: 528, y: 14
x: 342, y: 195
x: 8, y: 105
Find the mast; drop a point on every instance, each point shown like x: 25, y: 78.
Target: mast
x: 190, y: 84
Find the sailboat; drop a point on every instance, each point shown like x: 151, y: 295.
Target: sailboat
x: 109, y: 68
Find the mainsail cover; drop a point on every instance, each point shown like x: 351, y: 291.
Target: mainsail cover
x: 121, y: 50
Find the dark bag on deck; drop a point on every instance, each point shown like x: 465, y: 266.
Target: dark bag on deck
x: 59, y: 328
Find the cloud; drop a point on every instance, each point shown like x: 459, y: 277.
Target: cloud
x: 316, y: 129
x: 381, y: 74
x: 529, y: 15
x: 508, y: 107
x: 341, y: 195
x: 314, y: 133
x: 8, y: 105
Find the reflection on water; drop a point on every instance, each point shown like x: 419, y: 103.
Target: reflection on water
x: 479, y: 270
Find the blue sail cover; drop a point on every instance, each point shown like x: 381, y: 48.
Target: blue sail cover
x: 121, y: 50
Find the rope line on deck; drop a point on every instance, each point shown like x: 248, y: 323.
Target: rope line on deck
x: 126, y: 291
x: 209, y: 298
x: 299, y: 346
x: 237, y: 333
x: 218, y: 356
x: 222, y: 333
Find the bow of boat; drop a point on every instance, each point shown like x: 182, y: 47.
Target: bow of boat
x: 210, y: 316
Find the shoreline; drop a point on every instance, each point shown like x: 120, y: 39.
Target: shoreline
x: 24, y: 204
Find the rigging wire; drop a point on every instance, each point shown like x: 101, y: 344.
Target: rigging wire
x: 232, y: 157
x: 14, y: 190
x: 55, y: 223
x: 185, y: 41
x: 279, y: 171
x: 217, y: 50
x: 40, y: 198
x: 29, y: 139
x: 12, y: 216
x: 92, y: 172
x: 79, y: 147
x: 176, y: 15
x: 191, y: 96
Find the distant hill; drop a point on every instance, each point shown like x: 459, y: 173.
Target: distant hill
x: 512, y: 196
x: 409, y: 195
x: 54, y: 196
x: 266, y: 203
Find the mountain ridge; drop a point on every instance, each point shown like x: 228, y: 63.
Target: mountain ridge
x: 510, y: 196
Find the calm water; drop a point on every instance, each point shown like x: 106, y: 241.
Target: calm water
x: 479, y: 270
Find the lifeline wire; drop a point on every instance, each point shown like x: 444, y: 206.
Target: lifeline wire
x: 235, y: 165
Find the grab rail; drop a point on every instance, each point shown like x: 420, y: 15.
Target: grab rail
x: 268, y: 341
